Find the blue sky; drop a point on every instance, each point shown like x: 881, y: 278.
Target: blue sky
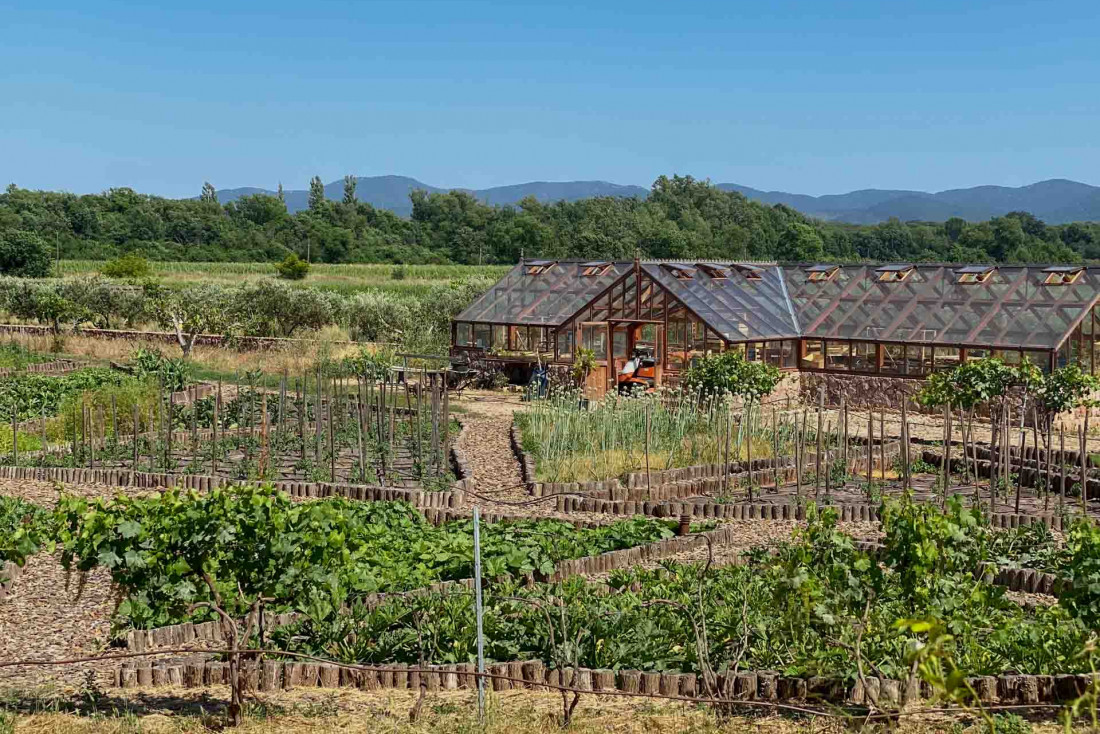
x: 812, y: 97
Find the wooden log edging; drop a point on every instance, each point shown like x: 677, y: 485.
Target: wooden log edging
x: 9, y: 574
x: 56, y: 367
x: 1028, y: 476
x: 763, y: 685
x: 149, y: 480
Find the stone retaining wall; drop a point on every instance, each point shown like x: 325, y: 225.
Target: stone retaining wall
x: 272, y: 675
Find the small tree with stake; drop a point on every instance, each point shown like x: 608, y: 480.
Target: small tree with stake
x: 729, y: 373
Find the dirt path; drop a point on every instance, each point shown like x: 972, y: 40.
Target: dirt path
x: 486, y: 442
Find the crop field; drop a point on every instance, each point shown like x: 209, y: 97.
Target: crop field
x: 343, y: 277
x: 721, y: 549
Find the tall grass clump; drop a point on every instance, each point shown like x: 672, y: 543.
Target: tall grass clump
x: 606, y: 439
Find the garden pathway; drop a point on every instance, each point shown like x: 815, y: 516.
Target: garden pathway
x: 486, y: 440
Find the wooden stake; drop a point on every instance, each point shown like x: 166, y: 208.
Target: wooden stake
x: 217, y: 420
x: 137, y: 422
x: 797, y: 461
x: 359, y: 435
x: 870, y: 449
x: 817, y: 459
x: 775, y: 450
x: 1062, y: 462
x: 446, y: 424
x: 844, y: 417
x: 648, y: 481
x: 114, y: 419
x: 1084, y: 463
x: 14, y: 432
x: 331, y: 436
x: 1084, y: 456
x: 946, y: 451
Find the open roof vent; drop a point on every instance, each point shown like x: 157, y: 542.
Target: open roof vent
x: 1063, y: 274
x: 974, y: 273
x: 538, y: 267
x: 714, y: 271
x: 595, y: 268
x: 821, y: 273
x: 895, y: 273
x: 679, y: 270
x: 751, y: 272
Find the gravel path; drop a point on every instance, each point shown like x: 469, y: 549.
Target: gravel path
x: 487, y: 444
x: 54, y: 617
x: 52, y: 614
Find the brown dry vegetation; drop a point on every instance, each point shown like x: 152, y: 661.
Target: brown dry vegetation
x: 183, y: 710
x: 294, y: 357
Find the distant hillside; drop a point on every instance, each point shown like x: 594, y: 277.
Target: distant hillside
x: 1056, y: 201
x: 392, y: 192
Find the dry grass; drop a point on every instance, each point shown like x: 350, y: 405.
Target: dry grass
x: 294, y: 357
x: 182, y: 710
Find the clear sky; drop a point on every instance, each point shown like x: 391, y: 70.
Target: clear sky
x: 808, y: 96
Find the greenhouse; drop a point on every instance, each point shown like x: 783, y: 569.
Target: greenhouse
x: 895, y: 320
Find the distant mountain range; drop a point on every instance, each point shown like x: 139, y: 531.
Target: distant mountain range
x: 1055, y: 201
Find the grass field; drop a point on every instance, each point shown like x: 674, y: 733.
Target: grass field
x: 346, y: 278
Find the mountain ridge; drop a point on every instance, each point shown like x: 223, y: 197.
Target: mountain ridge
x: 1056, y: 201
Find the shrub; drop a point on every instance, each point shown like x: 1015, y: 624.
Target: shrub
x: 292, y: 268
x: 24, y: 254
x: 729, y: 372
x: 127, y: 266
x: 399, y: 273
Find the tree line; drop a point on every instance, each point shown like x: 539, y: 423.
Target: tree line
x: 681, y: 217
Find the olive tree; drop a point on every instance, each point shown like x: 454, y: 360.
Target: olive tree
x: 193, y: 310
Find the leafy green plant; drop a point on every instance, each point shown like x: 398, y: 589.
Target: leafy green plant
x: 292, y: 267
x: 730, y: 373
x: 25, y: 528
x: 30, y: 396
x: 127, y: 266
x: 151, y: 364
x: 583, y: 364
x: 1082, y: 572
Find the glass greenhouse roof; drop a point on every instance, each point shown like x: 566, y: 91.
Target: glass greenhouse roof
x: 546, y: 299
x: 737, y: 308
x: 1014, y: 307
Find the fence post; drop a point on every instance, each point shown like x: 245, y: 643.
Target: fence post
x: 478, y: 613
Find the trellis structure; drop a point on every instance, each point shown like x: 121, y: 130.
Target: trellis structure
x: 901, y: 319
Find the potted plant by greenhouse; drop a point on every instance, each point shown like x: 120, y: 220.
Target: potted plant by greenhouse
x: 583, y: 365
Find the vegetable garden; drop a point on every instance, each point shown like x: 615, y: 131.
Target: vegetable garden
x: 912, y: 599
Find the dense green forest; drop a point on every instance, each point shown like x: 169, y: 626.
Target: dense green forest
x: 681, y: 217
